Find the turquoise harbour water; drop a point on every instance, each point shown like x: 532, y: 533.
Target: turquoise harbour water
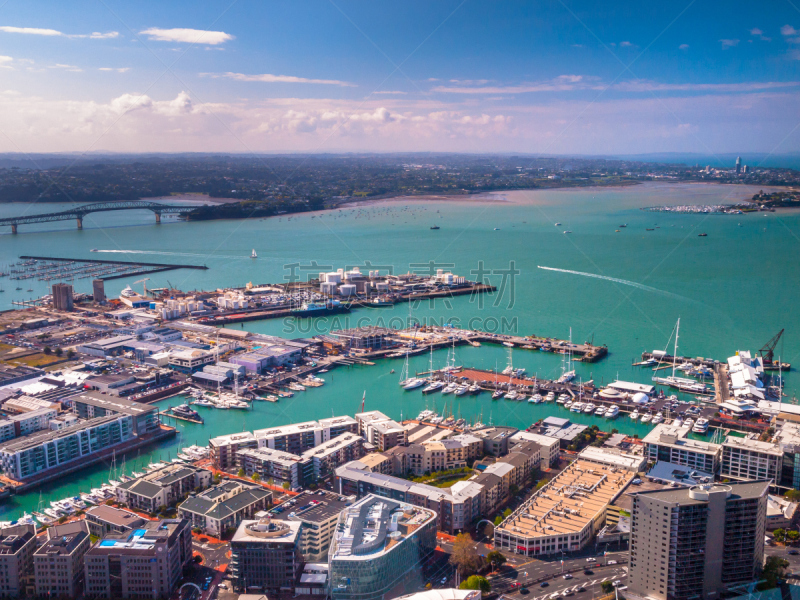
x: 732, y: 290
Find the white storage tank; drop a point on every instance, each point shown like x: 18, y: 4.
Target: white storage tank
x: 347, y: 289
x: 333, y: 278
x: 323, y: 277
x: 328, y: 288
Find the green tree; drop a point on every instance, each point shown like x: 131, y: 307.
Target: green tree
x: 607, y: 587
x: 59, y: 352
x: 506, y: 513
x: 779, y: 535
x: 496, y: 558
x: 774, y: 569
x: 476, y: 582
x: 793, y: 535
x: 792, y: 495
x: 497, y: 520
x: 48, y: 350
x: 465, y: 555
x: 256, y: 477
x: 286, y: 485
x: 241, y: 473
x: 513, y: 489
x: 70, y: 353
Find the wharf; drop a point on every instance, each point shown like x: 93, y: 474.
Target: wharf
x: 114, y: 262
x: 171, y: 415
x: 668, y: 358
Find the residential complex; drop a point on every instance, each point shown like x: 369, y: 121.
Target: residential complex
x: 162, y: 487
x: 671, y: 444
x: 17, y: 545
x: 58, y: 562
x: 696, y: 542
x: 224, y: 506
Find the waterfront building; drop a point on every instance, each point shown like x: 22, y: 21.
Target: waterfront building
x: 378, y: 542
x: 299, y: 437
x: 495, y: 439
x: 162, y: 487
x: 566, y: 513
x: 443, y: 594
x: 381, y: 431
x: 111, y: 346
x: 224, y: 449
x: 696, y: 542
x: 369, y: 337
x: 318, y: 512
x: 456, y: 507
x: 147, y: 562
x: 275, y: 466
x: 35, y: 454
x: 33, y: 421
x: 7, y: 429
x: 62, y: 296
x: 104, y: 520
x: 265, y: 555
x: 224, y: 506
x: 17, y: 545
x: 190, y: 361
x: 744, y: 459
x: 95, y: 404
x: 325, y: 458
x: 58, y: 562
x: 788, y: 437
x: 614, y: 457
x: 670, y: 444
x: 550, y: 446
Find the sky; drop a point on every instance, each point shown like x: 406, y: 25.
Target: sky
x: 544, y: 77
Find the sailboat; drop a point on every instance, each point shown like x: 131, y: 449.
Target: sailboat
x: 433, y: 384
x: 683, y: 384
x: 406, y: 382
x: 253, y: 254
x: 567, y: 372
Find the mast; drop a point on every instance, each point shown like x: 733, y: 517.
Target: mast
x: 675, y: 354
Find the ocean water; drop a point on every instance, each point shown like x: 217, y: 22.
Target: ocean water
x: 733, y: 289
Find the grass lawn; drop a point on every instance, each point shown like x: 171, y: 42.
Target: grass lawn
x: 38, y: 360
x: 446, y: 482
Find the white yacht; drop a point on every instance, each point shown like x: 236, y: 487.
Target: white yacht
x: 600, y: 412
x: 536, y: 398
x: 576, y: 407
x: 512, y: 395
x: 475, y: 389
x: 461, y: 390
x: 562, y: 398
x: 634, y: 415
x: 688, y: 422
x: 413, y: 383
x: 433, y: 386
x: 550, y: 397
x: 612, y: 412
x: 645, y: 418
x: 677, y: 422
x: 683, y: 384
x: 425, y: 415
x: 568, y: 403
x: 450, y: 388
x: 253, y: 254
x: 700, y: 426
x: 498, y: 394
x: 658, y: 418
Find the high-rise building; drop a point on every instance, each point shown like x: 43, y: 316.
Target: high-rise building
x: 696, y: 542
x: 377, y: 543
x: 738, y: 164
x: 17, y: 544
x: 58, y: 563
x: 62, y: 296
x: 143, y: 563
x: 265, y: 555
x: 99, y: 290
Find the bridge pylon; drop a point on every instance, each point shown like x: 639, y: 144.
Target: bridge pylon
x: 80, y: 222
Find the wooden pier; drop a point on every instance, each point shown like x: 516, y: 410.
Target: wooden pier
x: 170, y: 414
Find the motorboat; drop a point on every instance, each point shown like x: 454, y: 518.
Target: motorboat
x: 589, y: 408
x: 700, y: 426
x: 498, y: 394
x: 425, y: 415
x: 634, y: 415
x: 433, y: 386
x: 576, y: 407
x: 600, y: 411
x: 461, y: 390
x: 535, y: 399
x: 512, y: 395
x: 646, y: 418
x: 413, y: 383
x: 450, y: 388
x: 183, y: 410
x: 550, y: 397
x: 562, y: 398
x: 658, y: 418
x: 297, y: 387
x: 689, y: 422
x: 612, y: 412
x: 475, y: 389
x: 677, y: 422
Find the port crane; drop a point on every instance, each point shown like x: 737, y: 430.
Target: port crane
x: 767, y: 353
x: 144, y: 285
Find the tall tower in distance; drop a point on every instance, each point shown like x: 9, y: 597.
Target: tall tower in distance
x: 62, y: 296
x: 738, y: 164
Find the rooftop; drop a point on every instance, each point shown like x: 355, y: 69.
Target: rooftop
x: 37, y: 439
x: 267, y: 530
x: 225, y: 499
x: 115, y: 516
x: 695, y: 494
x: 374, y: 526
x: 318, y: 507
x: 142, y: 540
x: 113, y: 403
x: 570, y: 502
x: 667, y: 435
x: 753, y: 445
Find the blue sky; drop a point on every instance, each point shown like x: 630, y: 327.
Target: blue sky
x: 325, y: 76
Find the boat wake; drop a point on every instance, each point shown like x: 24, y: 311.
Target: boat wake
x: 170, y: 253
x: 633, y: 284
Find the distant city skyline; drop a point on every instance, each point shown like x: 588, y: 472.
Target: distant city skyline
x: 348, y: 76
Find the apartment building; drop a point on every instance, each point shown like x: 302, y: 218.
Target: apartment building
x: 162, y: 487
x: 58, y: 562
x: 275, y: 465
x: 104, y: 520
x: 96, y: 404
x: 550, y: 446
x: 224, y: 506
x: 224, y: 449
x: 318, y: 513
x: 696, y: 542
x: 17, y: 545
x: 747, y: 460
x: 381, y: 431
x: 147, y: 562
x: 325, y: 458
x: 670, y: 444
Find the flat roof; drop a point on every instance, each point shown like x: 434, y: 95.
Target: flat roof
x: 628, y: 386
x: 113, y: 403
x: 667, y: 435
x: 37, y: 439
x: 753, y: 445
x: 115, y: 516
x: 569, y: 502
x: 317, y: 507
x: 683, y: 495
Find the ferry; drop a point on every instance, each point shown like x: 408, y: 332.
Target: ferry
x: 309, y: 309
x: 183, y: 410
x: 700, y: 426
x: 612, y: 412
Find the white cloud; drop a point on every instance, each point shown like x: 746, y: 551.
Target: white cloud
x: 189, y: 36
x: 652, y: 86
x: 55, y: 33
x: 789, y: 30
x: 4, y: 60
x: 729, y: 43
x: 626, y: 45
x: 756, y: 32
x: 118, y: 69
x: 388, y: 92
x: 562, y: 83
x: 30, y: 31
x: 70, y: 68
x: 269, y: 78
x: 683, y: 47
